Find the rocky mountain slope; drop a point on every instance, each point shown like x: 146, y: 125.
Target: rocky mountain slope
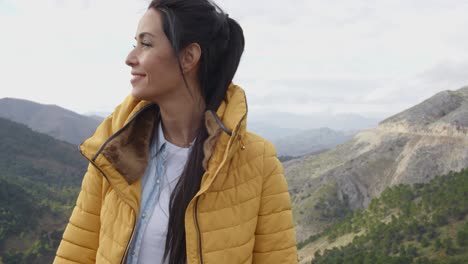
x: 413, y: 146
x: 52, y: 120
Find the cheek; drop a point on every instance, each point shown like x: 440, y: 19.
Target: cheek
x: 153, y: 62
x: 163, y: 69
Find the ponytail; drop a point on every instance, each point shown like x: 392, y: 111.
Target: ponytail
x: 228, y: 63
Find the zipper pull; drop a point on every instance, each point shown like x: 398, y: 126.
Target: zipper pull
x: 239, y: 137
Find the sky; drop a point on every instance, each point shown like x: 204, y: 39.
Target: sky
x: 369, y: 57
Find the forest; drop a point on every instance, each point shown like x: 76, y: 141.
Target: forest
x: 39, y: 182
x: 420, y: 223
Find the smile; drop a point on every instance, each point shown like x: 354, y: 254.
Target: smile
x: 136, y: 78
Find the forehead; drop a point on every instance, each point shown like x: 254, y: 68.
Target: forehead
x: 150, y: 22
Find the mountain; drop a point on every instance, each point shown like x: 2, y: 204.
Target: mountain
x: 443, y: 114
x: 296, y: 135
x: 272, y: 132
x: 310, y: 141
x: 300, y: 122
x: 40, y: 178
x: 52, y: 120
x: 100, y: 116
x: 422, y: 223
x: 413, y: 146
x: 95, y: 117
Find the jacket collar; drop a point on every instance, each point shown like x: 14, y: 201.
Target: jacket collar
x: 120, y: 146
x: 157, y: 145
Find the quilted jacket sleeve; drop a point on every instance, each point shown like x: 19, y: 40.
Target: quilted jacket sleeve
x: 81, y: 237
x: 275, y: 240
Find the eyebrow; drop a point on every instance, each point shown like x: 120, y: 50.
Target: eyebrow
x: 142, y: 34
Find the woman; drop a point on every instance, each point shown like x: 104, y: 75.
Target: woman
x: 174, y: 177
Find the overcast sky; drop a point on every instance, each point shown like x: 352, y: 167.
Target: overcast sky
x: 371, y: 57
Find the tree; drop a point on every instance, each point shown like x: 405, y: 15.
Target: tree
x: 462, y: 238
x: 448, y: 245
x: 437, y: 244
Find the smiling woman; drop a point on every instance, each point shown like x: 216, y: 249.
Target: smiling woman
x: 174, y: 175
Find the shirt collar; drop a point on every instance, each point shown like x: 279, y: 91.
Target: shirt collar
x: 158, y: 145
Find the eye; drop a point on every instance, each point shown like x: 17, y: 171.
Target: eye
x: 146, y: 44
x: 142, y: 43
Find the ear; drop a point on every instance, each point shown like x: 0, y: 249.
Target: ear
x: 190, y: 56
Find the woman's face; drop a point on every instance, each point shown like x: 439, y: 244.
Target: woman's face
x: 155, y: 70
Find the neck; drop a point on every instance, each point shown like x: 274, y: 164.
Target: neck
x: 181, y: 120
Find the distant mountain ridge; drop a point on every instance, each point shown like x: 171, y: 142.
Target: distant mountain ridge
x: 413, y: 146
x: 310, y: 141
x: 302, y: 134
x: 291, y: 121
x: 285, y: 132
x: 52, y: 120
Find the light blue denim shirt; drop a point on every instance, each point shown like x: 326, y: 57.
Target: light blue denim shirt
x: 150, y: 192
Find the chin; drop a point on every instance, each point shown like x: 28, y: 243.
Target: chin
x: 143, y: 94
x: 138, y: 94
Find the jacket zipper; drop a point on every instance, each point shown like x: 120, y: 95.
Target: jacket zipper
x: 120, y: 194
x: 195, y: 214
x: 105, y: 176
x: 128, y: 244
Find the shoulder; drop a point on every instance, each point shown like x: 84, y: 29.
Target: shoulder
x: 259, y: 143
x: 267, y: 164
x: 263, y: 151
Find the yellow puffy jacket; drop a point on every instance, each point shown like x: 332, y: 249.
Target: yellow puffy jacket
x: 241, y: 214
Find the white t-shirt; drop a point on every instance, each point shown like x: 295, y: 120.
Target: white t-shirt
x: 154, y: 237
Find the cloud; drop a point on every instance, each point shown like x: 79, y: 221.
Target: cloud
x: 409, y: 90
x: 69, y: 53
x: 366, y: 57
x: 449, y: 73
x: 354, y: 56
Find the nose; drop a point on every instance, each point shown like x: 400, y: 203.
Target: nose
x: 131, y: 59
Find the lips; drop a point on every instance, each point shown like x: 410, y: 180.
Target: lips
x: 136, y: 76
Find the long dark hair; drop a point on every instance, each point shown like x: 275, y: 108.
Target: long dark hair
x: 221, y: 40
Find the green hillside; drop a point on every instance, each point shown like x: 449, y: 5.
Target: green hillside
x: 39, y: 182
x: 423, y: 223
